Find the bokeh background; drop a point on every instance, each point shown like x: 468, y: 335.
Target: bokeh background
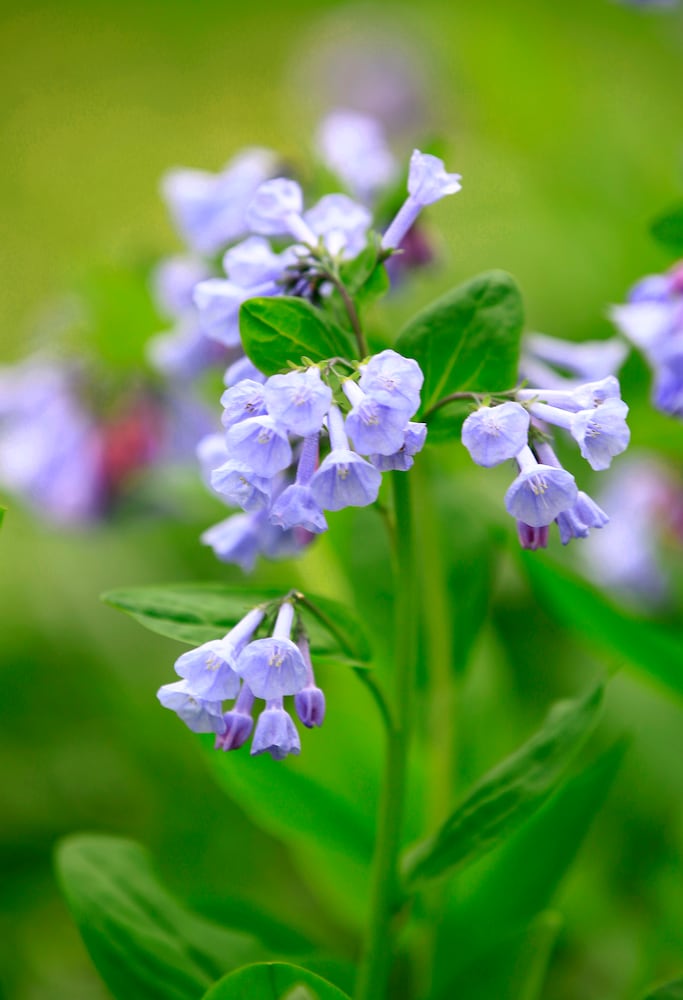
x: 566, y: 122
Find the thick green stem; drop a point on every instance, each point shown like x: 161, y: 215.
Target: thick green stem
x: 384, y: 889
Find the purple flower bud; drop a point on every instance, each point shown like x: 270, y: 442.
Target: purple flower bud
x: 199, y: 715
x: 238, y: 722
x: 494, y: 434
x: 601, y: 433
x: 393, y: 380
x: 275, y: 210
x: 540, y: 492
x: 260, y: 444
x: 402, y: 460
x: 241, y: 401
x: 242, y: 369
x: 375, y: 429
x: 218, y: 302
x: 310, y: 706
x: 298, y: 401
x: 209, y: 209
x: 354, y: 147
x: 173, y: 282
x: 274, y: 667
x: 532, y: 538
x: 341, y: 222
x: 275, y: 732
x: 241, y: 487
x: 576, y: 521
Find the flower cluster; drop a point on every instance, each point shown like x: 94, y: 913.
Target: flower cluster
x: 269, y: 464
x: 241, y: 669
x: 652, y: 320
x: 593, y: 414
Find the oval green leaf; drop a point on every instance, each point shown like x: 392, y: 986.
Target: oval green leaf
x: 274, y: 981
x: 283, y: 329
x: 509, y: 794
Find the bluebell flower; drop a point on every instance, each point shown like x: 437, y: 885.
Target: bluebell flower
x: 494, y: 434
x: 209, y: 209
x: 586, y: 360
x: 296, y: 506
x: 540, y: 492
x: 309, y: 703
x: 218, y: 302
x: 243, y: 400
x: 298, y: 400
x: 253, y: 262
x: 209, y: 670
x: 276, y: 210
x: 668, y: 386
x: 374, y: 429
x: 341, y: 223
x: 354, y: 147
x: 600, y: 432
x: 585, y: 396
x: 238, y: 721
x: 393, y: 381
x: 275, y: 732
x: 173, y: 282
x: 211, y: 452
x: 261, y: 444
x: 415, y: 435
x: 183, y: 353
x: 237, y: 540
x: 577, y: 520
x: 274, y: 667
x: 237, y: 484
x: 198, y: 714
x: 428, y: 181
x: 344, y: 479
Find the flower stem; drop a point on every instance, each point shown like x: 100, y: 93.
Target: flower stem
x: 384, y: 890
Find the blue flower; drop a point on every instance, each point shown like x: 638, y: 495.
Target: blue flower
x: 208, y: 671
x: 354, y: 147
x: 218, y: 302
x: 415, y: 435
x: 601, y: 433
x: 341, y: 223
x: 241, y: 401
x: 241, y: 487
x: 576, y: 521
x: 260, y: 444
x: 296, y: 507
x: 540, y: 492
x: 531, y: 538
x: 241, y: 369
x: 393, y: 381
x: 589, y: 359
x: 173, y: 283
x: 274, y: 667
x: 298, y: 401
x: 428, y: 181
x: 585, y: 396
x: 375, y: 429
x: 494, y: 434
x: 237, y: 539
x: 275, y: 210
x: 253, y: 262
x: 238, y: 722
x: 310, y: 701
x: 198, y: 714
x: 275, y: 732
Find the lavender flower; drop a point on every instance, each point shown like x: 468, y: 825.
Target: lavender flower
x: 198, y: 714
x: 540, y: 492
x: 238, y: 722
x: 601, y: 432
x: 275, y: 732
x: 341, y: 223
x: 344, y: 479
x: 218, y: 303
x: 274, y: 667
x: 209, y: 670
x: 241, y: 487
x: 428, y: 182
x: 393, y: 381
x: 260, y: 444
x: 173, y: 282
x: 298, y: 401
x: 241, y: 369
x: 531, y: 538
x: 276, y: 210
x: 243, y: 400
x: 310, y: 701
x: 590, y: 359
x: 415, y: 435
x: 296, y: 506
x: 494, y: 434
x: 353, y: 145
x: 373, y: 427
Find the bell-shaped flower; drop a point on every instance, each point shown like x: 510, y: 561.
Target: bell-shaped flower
x: 275, y: 732
x: 576, y: 521
x: 240, y: 486
x: 218, y: 302
x: 540, y: 492
x: 589, y: 359
x: 298, y: 400
x: 173, y: 282
x: 354, y: 147
x: 393, y: 381
x: 274, y: 667
x: 241, y: 369
x: 415, y: 435
x: 275, y: 210
x: 198, y: 714
x: 261, y: 444
x: 576, y: 397
x: 341, y: 223
x: 183, y: 353
x: 237, y: 539
x: 253, y: 262
x: 494, y: 434
x: 296, y: 506
x: 241, y: 401
x: 238, y: 722
x: 374, y: 429
x: 209, y: 209
x: 601, y: 433
x: 208, y: 671
x: 428, y: 181
x: 344, y: 479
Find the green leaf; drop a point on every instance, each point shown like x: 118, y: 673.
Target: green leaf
x: 144, y: 943
x: 509, y: 794
x: 283, y: 329
x: 274, y: 981
x: 671, y: 991
x: 468, y: 340
x: 490, y: 902
x: 365, y: 277
x: 668, y: 228
x: 197, y: 612
x: 602, y: 625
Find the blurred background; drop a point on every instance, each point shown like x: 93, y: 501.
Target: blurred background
x: 566, y: 123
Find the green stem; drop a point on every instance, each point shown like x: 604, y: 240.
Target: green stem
x: 384, y: 890
x: 352, y: 313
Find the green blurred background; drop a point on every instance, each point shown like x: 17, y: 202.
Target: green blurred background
x: 566, y: 122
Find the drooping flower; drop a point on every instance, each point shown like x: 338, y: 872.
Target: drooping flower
x: 393, y: 381
x: 274, y: 667
x: 344, y: 479
x: 374, y: 428
x: 310, y: 701
x: 494, y: 434
x: 209, y: 670
x: 298, y: 400
x: 238, y: 721
x: 275, y: 732
x: 198, y: 714
x: 415, y: 435
x: 540, y: 492
x: 260, y: 444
